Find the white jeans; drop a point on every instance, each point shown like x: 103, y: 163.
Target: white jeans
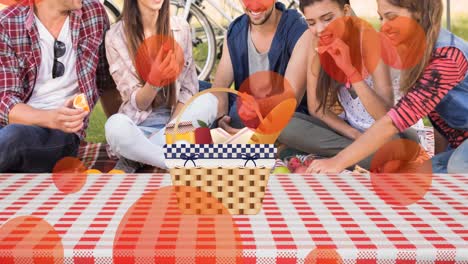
x: 128, y: 140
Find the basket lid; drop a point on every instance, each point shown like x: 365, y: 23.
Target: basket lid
x: 184, y: 127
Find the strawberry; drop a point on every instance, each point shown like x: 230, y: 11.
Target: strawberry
x: 294, y: 163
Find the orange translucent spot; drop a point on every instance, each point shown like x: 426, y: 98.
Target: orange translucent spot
x: 7, y: 3
x: 363, y: 46
x: 258, y: 5
x: 80, y: 102
x: 266, y: 103
x: 163, y: 70
x: 403, y: 43
x: 323, y: 256
x: 28, y: 239
x: 69, y: 175
x: 156, y: 230
x: 401, y: 172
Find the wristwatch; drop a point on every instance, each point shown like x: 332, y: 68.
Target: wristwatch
x: 215, y: 123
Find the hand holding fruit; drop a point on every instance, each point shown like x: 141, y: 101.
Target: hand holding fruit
x: 67, y: 118
x: 340, y: 53
x: 164, y: 69
x: 249, y: 108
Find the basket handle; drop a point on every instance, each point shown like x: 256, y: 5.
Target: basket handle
x: 242, y: 95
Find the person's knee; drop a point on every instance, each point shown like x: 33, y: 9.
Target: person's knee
x: 118, y: 130
x: 13, y: 136
x: 458, y: 162
x: 288, y: 133
x: 203, y: 108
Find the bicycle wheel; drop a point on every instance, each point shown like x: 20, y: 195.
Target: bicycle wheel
x: 203, y: 38
x: 112, y: 11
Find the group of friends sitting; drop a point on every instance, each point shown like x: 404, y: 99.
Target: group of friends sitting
x: 52, y: 50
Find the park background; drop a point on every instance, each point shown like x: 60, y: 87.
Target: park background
x: 365, y: 9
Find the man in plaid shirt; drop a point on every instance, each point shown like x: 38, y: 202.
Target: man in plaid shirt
x: 50, y: 51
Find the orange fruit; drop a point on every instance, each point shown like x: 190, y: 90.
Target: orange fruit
x: 116, y: 172
x: 80, y: 102
x: 93, y: 171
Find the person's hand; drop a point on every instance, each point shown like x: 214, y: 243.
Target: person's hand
x: 224, y: 123
x: 164, y: 70
x: 325, y: 166
x: 66, y: 118
x: 248, y: 108
x: 340, y: 53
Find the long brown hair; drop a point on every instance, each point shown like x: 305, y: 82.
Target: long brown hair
x: 428, y: 13
x: 135, y: 36
x: 327, y: 87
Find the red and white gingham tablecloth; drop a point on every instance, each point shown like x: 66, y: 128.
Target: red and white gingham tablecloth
x: 299, y: 213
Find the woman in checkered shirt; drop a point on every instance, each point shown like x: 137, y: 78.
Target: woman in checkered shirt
x: 150, y: 59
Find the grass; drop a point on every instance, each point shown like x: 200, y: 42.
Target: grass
x: 95, y: 130
x: 460, y: 27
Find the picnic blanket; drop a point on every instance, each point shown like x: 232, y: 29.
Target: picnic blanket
x: 94, y: 155
x: 131, y: 219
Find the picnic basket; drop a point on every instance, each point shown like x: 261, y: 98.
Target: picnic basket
x: 240, y: 188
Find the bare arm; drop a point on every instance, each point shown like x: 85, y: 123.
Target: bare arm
x: 27, y: 115
x: 379, y: 101
x: 145, y: 96
x: 65, y: 118
x: 223, y: 79
x: 330, y: 118
x: 375, y: 137
x: 296, y: 74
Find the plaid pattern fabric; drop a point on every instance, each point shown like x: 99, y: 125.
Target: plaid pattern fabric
x: 20, y: 54
x: 299, y: 213
x: 94, y: 156
x: 220, y: 151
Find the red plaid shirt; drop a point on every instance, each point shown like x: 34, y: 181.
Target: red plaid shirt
x: 20, y: 54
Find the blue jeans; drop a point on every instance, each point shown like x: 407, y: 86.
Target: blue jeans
x: 452, y: 161
x: 144, y: 143
x: 32, y: 149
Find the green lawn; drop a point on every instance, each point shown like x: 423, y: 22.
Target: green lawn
x: 98, y: 119
x: 95, y: 132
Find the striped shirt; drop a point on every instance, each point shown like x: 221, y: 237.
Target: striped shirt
x: 446, y: 70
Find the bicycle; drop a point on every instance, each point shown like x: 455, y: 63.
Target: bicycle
x: 203, y: 36
x: 113, y: 11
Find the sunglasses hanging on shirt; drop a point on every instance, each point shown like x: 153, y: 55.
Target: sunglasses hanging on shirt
x: 58, y: 70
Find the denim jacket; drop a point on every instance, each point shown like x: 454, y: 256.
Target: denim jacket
x: 291, y: 27
x: 454, y: 106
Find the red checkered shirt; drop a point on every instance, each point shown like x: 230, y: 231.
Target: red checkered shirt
x: 20, y: 54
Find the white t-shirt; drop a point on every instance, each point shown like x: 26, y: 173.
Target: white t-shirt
x: 49, y: 93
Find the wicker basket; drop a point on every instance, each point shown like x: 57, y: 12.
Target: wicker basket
x: 240, y: 190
